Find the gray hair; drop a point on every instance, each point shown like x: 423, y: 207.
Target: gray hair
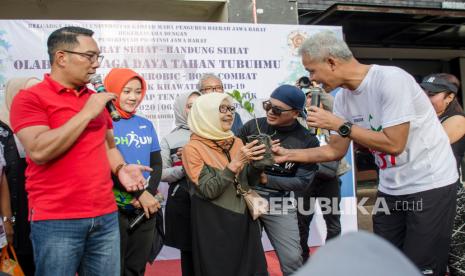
x: 325, y: 44
x: 207, y: 76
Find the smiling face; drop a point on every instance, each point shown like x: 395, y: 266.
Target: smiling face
x: 287, y: 116
x: 226, y: 118
x: 131, y: 96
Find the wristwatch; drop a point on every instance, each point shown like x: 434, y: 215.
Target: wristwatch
x: 11, y: 220
x: 345, y: 129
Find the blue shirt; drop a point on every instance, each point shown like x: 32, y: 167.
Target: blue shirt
x: 136, y: 139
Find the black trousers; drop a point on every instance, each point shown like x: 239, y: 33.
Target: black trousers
x: 420, y: 225
x: 187, y: 263
x: 328, y: 190
x: 135, y: 245
x: 26, y: 261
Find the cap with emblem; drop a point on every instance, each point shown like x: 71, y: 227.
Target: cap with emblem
x: 435, y: 83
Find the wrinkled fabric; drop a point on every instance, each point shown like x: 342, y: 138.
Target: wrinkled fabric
x: 204, y: 117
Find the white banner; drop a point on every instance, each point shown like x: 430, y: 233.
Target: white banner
x: 171, y: 56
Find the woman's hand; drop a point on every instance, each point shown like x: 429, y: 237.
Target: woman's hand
x: 149, y: 203
x: 263, y: 178
x: 249, y: 152
x: 179, y: 153
x: 135, y: 203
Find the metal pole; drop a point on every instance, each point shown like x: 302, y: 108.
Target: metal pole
x: 254, y: 11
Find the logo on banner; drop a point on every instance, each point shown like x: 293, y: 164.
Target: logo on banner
x: 4, y: 46
x: 295, y: 39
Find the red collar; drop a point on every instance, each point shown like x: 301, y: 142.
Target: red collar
x: 57, y: 87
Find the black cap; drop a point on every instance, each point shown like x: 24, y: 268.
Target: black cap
x: 292, y: 96
x: 434, y: 84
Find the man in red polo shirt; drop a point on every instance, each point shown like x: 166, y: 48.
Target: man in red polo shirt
x: 68, y: 137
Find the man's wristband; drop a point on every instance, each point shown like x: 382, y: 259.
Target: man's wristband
x: 119, y: 167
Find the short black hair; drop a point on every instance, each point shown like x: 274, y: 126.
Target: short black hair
x: 65, y: 38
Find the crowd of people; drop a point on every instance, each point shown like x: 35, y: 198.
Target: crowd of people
x: 79, y: 192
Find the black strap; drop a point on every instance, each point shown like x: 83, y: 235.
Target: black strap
x: 225, y: 151
x: 444, y: 118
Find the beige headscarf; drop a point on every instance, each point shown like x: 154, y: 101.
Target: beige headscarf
x: 204, y: 117
x: 12, y: 88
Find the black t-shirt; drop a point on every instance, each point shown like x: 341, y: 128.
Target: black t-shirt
x: 459, y: 146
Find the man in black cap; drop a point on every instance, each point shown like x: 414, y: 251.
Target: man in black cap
x: 285, y: 105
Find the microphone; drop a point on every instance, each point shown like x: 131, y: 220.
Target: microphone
x: 96, y: 81
x: 137, y: 220
x: 316, y: 94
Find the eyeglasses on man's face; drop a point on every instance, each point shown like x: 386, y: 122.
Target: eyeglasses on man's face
x: 225, y: 108
x: 218, y: 88
x: 91, y: 57
x: 267, y: 105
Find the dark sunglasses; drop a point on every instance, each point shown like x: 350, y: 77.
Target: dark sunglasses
x: 267, y: 105
x: 224, y: 108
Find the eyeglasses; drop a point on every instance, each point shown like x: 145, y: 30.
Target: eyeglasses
x: 91, y: 57
x: 224, y: 108
x: 218, y: 88
x: 267, y: 105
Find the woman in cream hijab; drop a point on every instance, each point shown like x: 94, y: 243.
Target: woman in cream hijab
x: 15, y: 168
x: 225, y: 239
x: 12, y: 87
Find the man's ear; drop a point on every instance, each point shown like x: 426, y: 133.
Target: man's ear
x: 296, y: 114
x: 60, y: 58
x: 332, y: 63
